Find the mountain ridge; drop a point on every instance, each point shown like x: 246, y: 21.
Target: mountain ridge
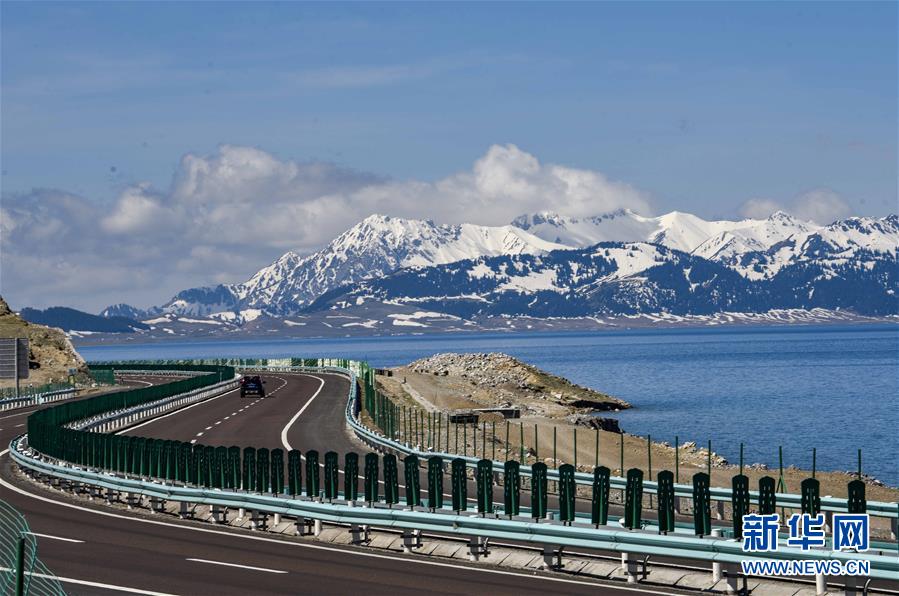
x: 379, y: 247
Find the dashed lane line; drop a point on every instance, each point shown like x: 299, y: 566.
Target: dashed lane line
x: 56, y: 537
x: 180, y: 411
x: 281, y: 386
x: 250, y: 567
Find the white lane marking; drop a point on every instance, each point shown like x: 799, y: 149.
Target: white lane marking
x: 284, y: 440
x: 158, y: 418
x: 234, y: 413
x: 200, y: 434
x: 84, y: 582
x: 192, y: 441
x: 219, y: 422
x: 19, y: 425
x: 208, y: 428
x: 282, y: 542
x: 30, y: 411
x: 236, y: 565
x: 56, y: 537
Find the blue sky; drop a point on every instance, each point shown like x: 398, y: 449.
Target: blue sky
x: 150, y: 147
x: 701, y: 105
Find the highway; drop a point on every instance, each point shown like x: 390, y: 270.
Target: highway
x: 97, y: 551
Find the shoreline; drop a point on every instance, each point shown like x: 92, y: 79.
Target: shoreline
x: 134, y: 340
x: 545, y: 437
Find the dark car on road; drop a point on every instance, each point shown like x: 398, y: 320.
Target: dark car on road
x: 252, y: 386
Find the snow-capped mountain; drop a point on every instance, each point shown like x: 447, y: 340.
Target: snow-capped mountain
x: 716, y: 240
x: 376, y: 246
x: 857, y: 241
x: 620, y: 261
x: 751, y: 236
x: 636, y: 278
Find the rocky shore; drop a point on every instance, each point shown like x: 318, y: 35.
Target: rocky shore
x: 499, y: 380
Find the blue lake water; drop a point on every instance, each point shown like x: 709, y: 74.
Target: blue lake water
x: 833, y: 388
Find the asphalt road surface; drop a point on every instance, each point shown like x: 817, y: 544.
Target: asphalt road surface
x: 98, y: 551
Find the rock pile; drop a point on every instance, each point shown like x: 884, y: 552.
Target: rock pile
x: 510, y: 379
x: 491, y: 370
x: 595, y: 422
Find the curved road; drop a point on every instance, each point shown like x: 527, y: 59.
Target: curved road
x: 98, y: 551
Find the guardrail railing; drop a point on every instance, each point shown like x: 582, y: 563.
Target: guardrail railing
x: 444, y: 520
x: 167, y: 469
x: 64, y: 392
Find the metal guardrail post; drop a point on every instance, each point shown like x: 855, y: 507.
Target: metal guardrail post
x: 811, y: 496
x: 567, y: 490
x: 391, y: 480
x: 739, y: 502
x: 413, y: 483
x: 511, y: 488
x: 633, y: 502
x: 313, y: 482
x: 702, y: 513
x: 459, y: 481
x: 351, y: 476
x: 599, y: 510
x: 767, y: 498
x: 435, y: 482
x: 20, y: 566
x: 538, y: 490
x: 332, y: 475
x: 371, y: 478
x: 666, y: 501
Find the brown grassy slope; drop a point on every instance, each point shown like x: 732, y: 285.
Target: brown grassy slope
x: 48, y: 347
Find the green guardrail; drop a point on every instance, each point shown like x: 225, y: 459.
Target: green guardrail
x: 47, y: 430
x: 102, y: 375
x: 389, y: 418
x: 446, y: 520
x: 21, y: 572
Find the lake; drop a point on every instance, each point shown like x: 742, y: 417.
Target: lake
x: 835, y: 388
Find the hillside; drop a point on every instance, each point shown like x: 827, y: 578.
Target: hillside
x: 51, y: 353
x: 69, y: 319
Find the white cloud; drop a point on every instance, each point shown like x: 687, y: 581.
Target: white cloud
x: 137, y: 210
x: 759, y: 208
x: 822, y: 206
x: 231, y: 212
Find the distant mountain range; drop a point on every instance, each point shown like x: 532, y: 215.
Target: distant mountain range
x: 69, y: 319
x: 546, y: 265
